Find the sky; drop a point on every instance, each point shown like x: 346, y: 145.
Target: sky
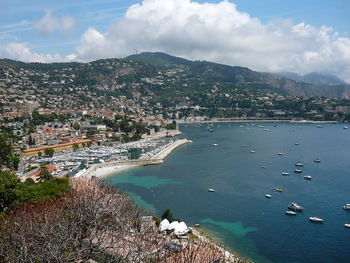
x: 299, y: 36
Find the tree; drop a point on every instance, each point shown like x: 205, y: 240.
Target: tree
x: 75, y: 146
x: 49, y: 152
x: 31, y: 141
x: 40, y: 154
x: 45, y: 175
x: 9, y: 185
x: 5, y: 150
x: 14, y: 161
x: 76, y: 126
x: 167, y: 214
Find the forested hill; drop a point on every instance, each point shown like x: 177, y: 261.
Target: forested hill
x: 312, y: 85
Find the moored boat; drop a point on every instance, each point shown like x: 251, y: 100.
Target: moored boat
x: 291, y: 213
x: 346, y: 207
x: 345, y: 127
x: 298, y: 171
x: 295, y: 207
x: 316, y: 219
x: 280, y: 190
x: 252, y: 151
x: 317, y: 160
x: 308, y: 177
x: 299, y: 164
x: 347, y: 225
x: 268, y: 196
x: 215, y: 144
x: 211, y: 190
x: 280, y: 154
x: 285, y: 173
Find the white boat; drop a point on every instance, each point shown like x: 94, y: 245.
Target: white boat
x: 263, y: 167
x: 252, y: 151
x: 319, y: 126
x: 317, y: 160
x: 211, y: 190
x: 299, y: 164
x: 308, y: 177
x: 296, y: 143
x: 347, y: 225
x: 346, y: 207
x: 215, y: 144
x: 298, y: 171
x: 291, y: 213
x: 268, y: 196
x: 316, y: 219
x: 295, y: 207
x: 280, y: 153
x: 285, y: 173
x: 345, y: 127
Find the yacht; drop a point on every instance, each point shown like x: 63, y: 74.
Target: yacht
x: 285, y: 173
x: 316, y: 219
x: 345, y: 127
x: 211, y: 190
x: 347, y: 225
x: 280, y: 153
x: 299, y: 164
x: 308, y: 177
x: 317, y: 161
x: 268, y: 196
x: 298, y: 171
x: 346, y: 207
x: 280, y: 190
x: 295, y: 207
x: 291, y: 213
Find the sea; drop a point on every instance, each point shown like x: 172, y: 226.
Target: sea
x: 242, y: 162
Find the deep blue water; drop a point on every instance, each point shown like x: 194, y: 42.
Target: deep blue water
x: 238, y: 214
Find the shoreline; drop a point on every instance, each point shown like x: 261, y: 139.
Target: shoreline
x: 230, y: 256
x: 255, y: 120
x: 114, y: 167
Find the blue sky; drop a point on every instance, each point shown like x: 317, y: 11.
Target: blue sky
x: 50, y: 30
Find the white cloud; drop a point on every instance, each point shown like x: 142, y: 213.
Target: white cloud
x: 20, y: 51
x: 50, y: 24
x: 219, y: 32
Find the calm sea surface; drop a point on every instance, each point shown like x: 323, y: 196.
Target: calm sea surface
x: 238, y: 214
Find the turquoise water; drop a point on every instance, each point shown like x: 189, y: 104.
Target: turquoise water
x: 237, y: 213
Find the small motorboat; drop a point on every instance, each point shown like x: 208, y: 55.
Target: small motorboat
x: 319, y: 126
x: 347, y: 225
x: 280, y: 154
x: 308, y: 177
x: 252, y: 151
x: 346, y: 207
x: 280, y: 190
x: 291, y: 213
x: 211, y: 190
x: 268, y: 196
x: 285, y: 173
x: 296, y: 143
x: 345, y: 127
x: 299, y: 164
x: 295, y: 207
x: 298, y: 171
x: 317, y: 161
x: 316, y: 219
x: 215, y: 144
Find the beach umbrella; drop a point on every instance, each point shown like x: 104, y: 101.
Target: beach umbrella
x: 164, y: 225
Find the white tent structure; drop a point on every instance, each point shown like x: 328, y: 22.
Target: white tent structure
x: 164, y: 225
x: 173, y: 225
x: 181, y: 229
